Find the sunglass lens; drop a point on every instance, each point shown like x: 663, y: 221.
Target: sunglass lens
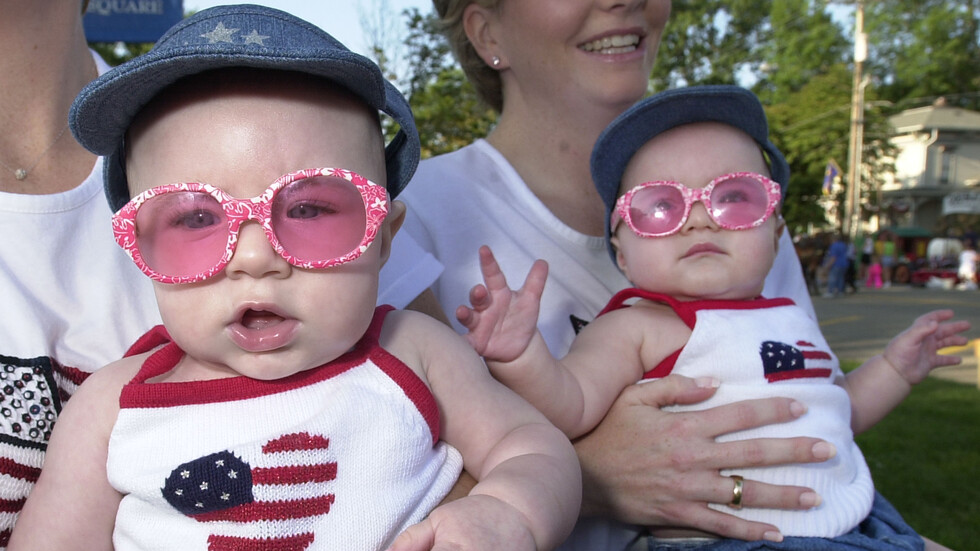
x: 739, y: 202
x: 319, y: 218
x: 181, y: 234
x: 657, y: 209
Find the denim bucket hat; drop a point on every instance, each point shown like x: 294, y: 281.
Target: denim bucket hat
x: 233, y: 36
x: 731, y: 105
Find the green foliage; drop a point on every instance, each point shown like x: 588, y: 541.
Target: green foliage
x: 709, y: 41
x: 925, y: 459
x: 429, y: 53
x: 922, y: 49
x: 448, y: 112
x: 811, y: 127
x: 805, y: 44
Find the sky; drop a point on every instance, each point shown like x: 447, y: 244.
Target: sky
x: 340, y: 18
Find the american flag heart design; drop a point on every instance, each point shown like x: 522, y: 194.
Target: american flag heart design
x: 223, y: 487
x: 782, y: 361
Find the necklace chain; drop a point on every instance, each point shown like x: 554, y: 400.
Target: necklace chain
x: 21, y: 173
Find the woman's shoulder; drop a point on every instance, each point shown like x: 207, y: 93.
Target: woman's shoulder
x: 469, y: 163
x: 462, y: 177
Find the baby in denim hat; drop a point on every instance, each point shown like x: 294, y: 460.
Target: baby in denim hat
x: 277, y: 407
x: 692, y: 184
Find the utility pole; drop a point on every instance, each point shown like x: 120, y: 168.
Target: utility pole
x: 852, y: 203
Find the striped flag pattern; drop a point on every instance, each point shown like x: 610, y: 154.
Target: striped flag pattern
x: 223, y: 487
x: 31, y: 395
x: 782, y: 361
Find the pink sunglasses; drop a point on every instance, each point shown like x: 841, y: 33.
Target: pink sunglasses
x: 313, y: 218
x: 736, y: 201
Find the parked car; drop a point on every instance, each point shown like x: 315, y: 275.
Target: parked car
x: 941, y: 263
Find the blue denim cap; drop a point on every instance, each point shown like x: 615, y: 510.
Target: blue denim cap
x: 233, y: 36
x: 731, y: 105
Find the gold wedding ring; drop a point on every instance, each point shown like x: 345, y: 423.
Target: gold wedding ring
x: 736, y: 502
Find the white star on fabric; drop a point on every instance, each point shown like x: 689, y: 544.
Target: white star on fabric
x: 220, y: 34
x: 225, y: 497
x: 185, y: 474
x: 220, y: 463
x: 232, y: 474
x: 255, y: 38
x: 204, y: 486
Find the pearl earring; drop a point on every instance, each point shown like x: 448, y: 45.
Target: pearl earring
x: 495, y: 61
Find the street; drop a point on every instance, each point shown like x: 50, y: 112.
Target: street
x: 858, y: 326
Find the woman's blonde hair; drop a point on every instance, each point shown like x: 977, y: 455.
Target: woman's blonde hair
x: 484, y: 79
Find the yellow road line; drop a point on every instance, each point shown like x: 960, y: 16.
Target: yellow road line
x: 835, y: 321
x: 957, y: 349
x: 947, y: 351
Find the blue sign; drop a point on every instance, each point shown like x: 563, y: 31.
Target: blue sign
x: 130, y: 20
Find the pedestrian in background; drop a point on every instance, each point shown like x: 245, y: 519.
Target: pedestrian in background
x: 850, y: 273
x: 867, y: 251
x: 873, y: 279
x: 967, y: 271
x: 836, y: 261
x: 885, y: 249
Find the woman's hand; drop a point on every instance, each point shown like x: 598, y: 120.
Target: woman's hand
x: 650, y: 467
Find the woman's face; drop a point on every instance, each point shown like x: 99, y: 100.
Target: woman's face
x: 575, y: 51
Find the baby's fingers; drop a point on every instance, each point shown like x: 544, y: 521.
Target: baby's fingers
x: 419, y: 537
x: 466, y: 317
x: 492, y: 275
x: 536, y: 278
x: 480, y: 298
x: 953, y: 331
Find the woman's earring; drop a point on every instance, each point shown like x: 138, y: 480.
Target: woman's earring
x: 495, y: 61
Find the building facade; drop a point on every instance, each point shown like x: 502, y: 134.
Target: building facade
x: 936, y: 183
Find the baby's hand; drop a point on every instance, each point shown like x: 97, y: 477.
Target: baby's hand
x: 502, y: 321
x: 472, y: 523
x: 915, y: 351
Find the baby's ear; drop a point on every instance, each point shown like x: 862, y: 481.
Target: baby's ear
x: 780, y: 228
x: 620, y: 259
x: 393, y: 222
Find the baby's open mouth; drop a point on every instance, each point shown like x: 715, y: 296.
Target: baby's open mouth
x: 260, y: 319
x: 263, y: 328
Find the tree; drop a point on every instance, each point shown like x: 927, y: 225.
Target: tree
x: 922, y: 49
x: 811, y: 128
x: 710, y: 42
x: 448, y: 112
x: 804, y: 44
x: 383, y: 35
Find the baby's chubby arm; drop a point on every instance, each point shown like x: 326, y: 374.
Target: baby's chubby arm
x: 502, y: 325
x: 529, y: 490
x: 882, y: 382
x: 574, y: 392
x: 72, y: 506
